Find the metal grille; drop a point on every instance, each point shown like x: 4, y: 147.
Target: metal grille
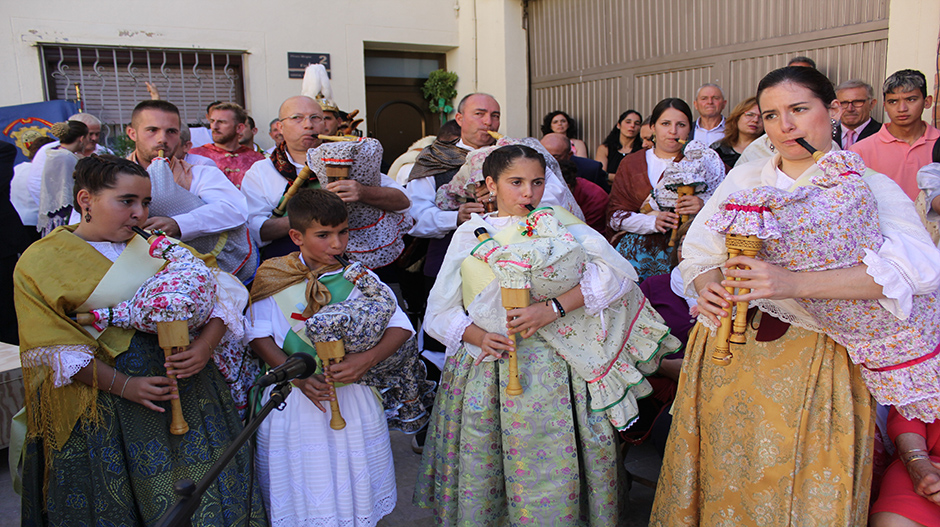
x: 111, y: 81
x: 644, y: 50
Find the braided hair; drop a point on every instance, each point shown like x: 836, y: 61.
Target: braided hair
x: 69, y: 131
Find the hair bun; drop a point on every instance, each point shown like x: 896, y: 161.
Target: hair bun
x: 60, y: 129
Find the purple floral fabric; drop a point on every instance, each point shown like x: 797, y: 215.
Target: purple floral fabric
x: 830, y: 224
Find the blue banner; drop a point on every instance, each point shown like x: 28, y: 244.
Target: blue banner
x: 24, y: 123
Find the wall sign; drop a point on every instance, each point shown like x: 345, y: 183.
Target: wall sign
x: 298, y: 62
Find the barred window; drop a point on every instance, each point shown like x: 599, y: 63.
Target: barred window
x: 110, y: 81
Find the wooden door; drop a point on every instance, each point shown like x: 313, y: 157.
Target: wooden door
x: 396, y: 111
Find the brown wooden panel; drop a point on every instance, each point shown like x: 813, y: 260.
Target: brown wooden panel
x: 667, y: 48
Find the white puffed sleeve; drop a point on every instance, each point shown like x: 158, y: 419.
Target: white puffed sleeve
x: 928, y: 180
x: 908, y: 263
x: 607, y: 276
x: 445, y: 318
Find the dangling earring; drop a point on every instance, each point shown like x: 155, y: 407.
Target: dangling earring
x: 772, y: 149
x: 835, y: 127
x: 88, y: 216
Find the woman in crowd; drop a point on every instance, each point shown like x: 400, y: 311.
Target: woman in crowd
x: 561, y: 123
x: 636, y: 225
x: 55, y: 198
x: 544, y: 457
x: 624, y: 138
x: 782, y: 435
x: 99, y: 448
x: 742, y: 128
x: 910, y: 490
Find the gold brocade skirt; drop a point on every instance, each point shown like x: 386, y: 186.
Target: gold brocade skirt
x: 781, y: 436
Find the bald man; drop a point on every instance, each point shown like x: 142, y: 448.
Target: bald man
x: 34, y: 183
x: 559, y: 146
x: 300, y: 121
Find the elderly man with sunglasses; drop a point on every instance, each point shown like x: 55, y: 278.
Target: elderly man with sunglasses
x: 300, y: 120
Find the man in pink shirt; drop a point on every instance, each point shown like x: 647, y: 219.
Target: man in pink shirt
x: 228, y: 121
x: 903, y: 145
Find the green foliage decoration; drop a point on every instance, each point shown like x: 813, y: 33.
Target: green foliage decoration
x: 440, y: 90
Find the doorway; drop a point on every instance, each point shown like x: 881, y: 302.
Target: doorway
x: 397, y: 113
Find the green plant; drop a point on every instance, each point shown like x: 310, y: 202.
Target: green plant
x: 440, y: 91
x: 121, y: 145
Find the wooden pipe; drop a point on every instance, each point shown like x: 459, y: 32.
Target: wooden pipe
x: 681, y: 155
x: 748, y: 246
x: 173, y: 337
x: 338, y: 138
x: 495, y: 135
x: 682, y: 190
x: 336, y: 173
x: 512, y: 299
x: 722, y: 355
x: 332, y: 352
x: 299, y: 182
x: 84, y: 319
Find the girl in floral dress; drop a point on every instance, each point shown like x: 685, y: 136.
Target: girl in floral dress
x: 547, y: 456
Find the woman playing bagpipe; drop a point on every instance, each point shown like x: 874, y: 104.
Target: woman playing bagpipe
x: 645, y: 204
x: 100, y: 449
x: 779, y: 430
x: 542, y: 450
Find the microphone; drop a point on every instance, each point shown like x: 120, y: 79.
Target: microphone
x: 297, y: 366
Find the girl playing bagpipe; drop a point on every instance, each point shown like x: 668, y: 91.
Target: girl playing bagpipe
x: 100, y: 449
x: 547, y: 455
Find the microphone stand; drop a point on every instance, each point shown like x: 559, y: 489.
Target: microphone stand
x: 190, y: 494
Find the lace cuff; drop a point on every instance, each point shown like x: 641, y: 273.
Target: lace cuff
x: 233, y: 298
x: 897, y: 286
x: 454, y: 337
x: 65, y: 361
x: 597, y: 292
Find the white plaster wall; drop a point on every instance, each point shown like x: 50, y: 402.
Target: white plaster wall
x: 913, y: 30
x: 266, y: 30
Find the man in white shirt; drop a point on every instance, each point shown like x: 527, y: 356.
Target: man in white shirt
x: 155, y: 127
x: 857, y: 99
x: 300, y: 122
x: 709, y: 103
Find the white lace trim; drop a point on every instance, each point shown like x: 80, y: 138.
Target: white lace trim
x: 597, y: 292
x: 899, y: 300
x: 789, y: 311
x: 454, y: 337
x: 383, y: 507
x: 109, y: 250
x: 233, y: 298
x: 65, y: 361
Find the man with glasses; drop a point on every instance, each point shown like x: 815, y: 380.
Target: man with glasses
x: 904, y: 145
x: 300, y: 121
x: 857, y: 99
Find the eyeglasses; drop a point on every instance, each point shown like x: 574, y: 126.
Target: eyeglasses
x: 858, y: 103
x: 752, y: 115
x: 299, y: 119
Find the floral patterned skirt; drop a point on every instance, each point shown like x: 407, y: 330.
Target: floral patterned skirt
x: 122, y: 471
x: 540, y: 458
x: 647, y: 253
x: 781, y: 436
